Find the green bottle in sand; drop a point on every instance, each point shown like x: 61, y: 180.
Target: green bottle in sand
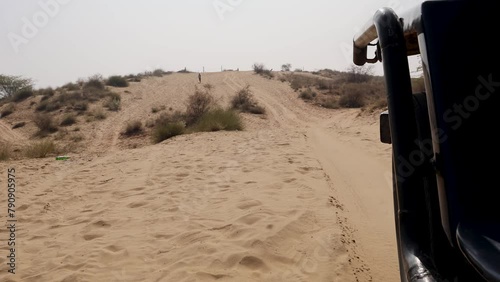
x: 62, y: 158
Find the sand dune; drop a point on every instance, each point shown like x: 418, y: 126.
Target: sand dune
x: 302, y: 195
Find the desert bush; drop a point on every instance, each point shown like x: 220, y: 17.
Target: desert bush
x: 68, y: 120
x: 330, y: 103
x: 323, y: 84
x: 113, y: 102
x: 133, y: 128
x: 134, y: 77
x: 197, y: 105
x: 40, y: 149
x: 377, y: 104
x: 117, y: 81
x: 7, y: 110
x: 286, y: 67
x: 159, y: 72
x: 45, y: 123
x: 46, y: 92
x: 48, y: 106
x: 22, y: 95
x: 219, y: 119
x: 42, y: 106
x: 81, y: 106
x: 156, y: 109
x: 308, y: 94
x: 261, y: 70
x: 10, y: 85
x: 71, y: 86
x: 98, y: 114
x: 258, y: 68
x: 95, y: 81
x: 356, y: 74
x: 185, y: 70
x: 19, y: 125
x: 245, y: 102
x: 166, y: 131
x: 167, y: 118
x: 298, y: 82
x: 352, y: 96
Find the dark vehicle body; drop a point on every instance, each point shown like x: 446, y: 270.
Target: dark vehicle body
x: 444, y: 140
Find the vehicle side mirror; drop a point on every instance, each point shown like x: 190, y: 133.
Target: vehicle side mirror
x: 385, y: 128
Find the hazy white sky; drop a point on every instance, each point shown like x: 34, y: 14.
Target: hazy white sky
x: 58, y: 41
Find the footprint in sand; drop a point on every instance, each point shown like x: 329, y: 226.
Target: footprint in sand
x: 113, y: 248
x: 250, y: 219
x: 101, y: 224
x: 253, y: 263
x: 245, y: 205
x: 90, y: 237
x: 136, y: 205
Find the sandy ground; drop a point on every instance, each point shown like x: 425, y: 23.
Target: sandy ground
x: 301, y: 195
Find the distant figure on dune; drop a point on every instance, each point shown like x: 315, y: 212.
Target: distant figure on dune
x: 199, y: 77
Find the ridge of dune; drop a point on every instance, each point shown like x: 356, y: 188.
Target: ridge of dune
x: 300, y: 195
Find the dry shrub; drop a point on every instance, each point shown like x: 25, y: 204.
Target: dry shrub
x: 245, y: 102
x: 197, y: 105
x: 133, y: 128
x: 330, y: 103
x: 113, y: 102
x: 261, y: 70
x: 219, y: 119
x: 166, y: 131
x: 68, y: 120
x: 45, y: 124
x: 117, y: 81
x: 98, y: 114
x: 353, y: 96
x: 40, y: 149
x: 22, y: 95
x: 308, y: 94
x: 95, y: 81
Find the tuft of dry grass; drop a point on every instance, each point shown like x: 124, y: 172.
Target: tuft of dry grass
x: 244, y: 101
x: 308, y: 94
x: 133, y: 128
x: 218, y: 120
x: 22, y: 95
x: 164, y: 131
x: 45, y: 124
x: 40, y: 149
x: 68, y: 120
x: 113, y: 102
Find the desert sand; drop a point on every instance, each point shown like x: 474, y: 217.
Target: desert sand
x: 303, y: 194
